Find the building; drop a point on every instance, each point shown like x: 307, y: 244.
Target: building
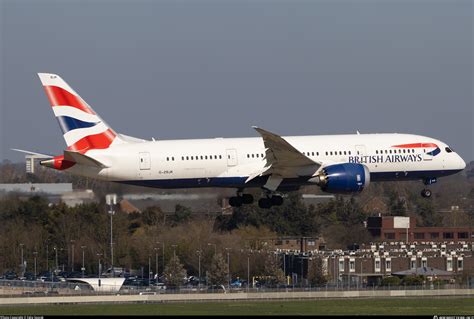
x: 395, y: 228
x: 54, y: 192
x: 369, y: 264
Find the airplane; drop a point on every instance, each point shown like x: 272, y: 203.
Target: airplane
x: 341, y: 164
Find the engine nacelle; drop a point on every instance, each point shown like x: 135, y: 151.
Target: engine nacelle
x: 343, y: 178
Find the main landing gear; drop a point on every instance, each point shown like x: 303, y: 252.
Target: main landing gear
x: 269, y: 201
x: 264, y: 202
x: 237, y: 201
x: 426, y: 192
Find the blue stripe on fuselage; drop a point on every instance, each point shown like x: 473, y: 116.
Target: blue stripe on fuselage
x: 287, y: 184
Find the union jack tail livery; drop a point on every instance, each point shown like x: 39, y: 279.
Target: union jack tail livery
x: 83, y: 129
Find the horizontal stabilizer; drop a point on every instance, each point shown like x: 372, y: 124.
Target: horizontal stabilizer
x: 82, y: 159
x: 39, y: 155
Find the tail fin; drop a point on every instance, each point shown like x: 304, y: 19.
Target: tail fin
x: 83, y: 129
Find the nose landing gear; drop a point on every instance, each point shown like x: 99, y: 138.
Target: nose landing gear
x: 426, y: 192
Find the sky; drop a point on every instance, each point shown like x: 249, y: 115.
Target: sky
x: 203, y: 69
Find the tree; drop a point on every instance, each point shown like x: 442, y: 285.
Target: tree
x: 273, y: 270
x: 181, y: 214
x: 217, y: 274
x: 174, y: 272
x: 390, y: 281
x: 426, y: 210
x: 396, y: 205
x: 316, y: 274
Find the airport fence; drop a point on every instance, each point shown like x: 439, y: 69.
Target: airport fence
x: 9, y: 288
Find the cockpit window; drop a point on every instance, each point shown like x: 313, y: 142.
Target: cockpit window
x: 448, y: 150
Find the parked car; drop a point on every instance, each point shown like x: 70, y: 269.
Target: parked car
x: 10, y: 275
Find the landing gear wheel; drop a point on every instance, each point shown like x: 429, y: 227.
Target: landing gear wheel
x: 264, y: 203
x: 235, y: 201
x: 426, y: 193
x: 247, y: 198
x: 277, y: 200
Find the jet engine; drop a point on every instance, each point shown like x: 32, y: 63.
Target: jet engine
x: 343, y: 178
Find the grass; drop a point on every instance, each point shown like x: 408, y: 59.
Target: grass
x: 393, y: 306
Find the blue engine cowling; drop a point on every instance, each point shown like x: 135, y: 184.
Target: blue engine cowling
x: 343, y: 178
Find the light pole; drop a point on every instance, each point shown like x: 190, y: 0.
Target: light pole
x: 35, y: 253
x: 228, y: 268
x: 56, y: 251
x: 72, y: 257
x: 98, y: 255
x: 149, y: 269
x: 174, y: 250
x: 83, y: 268
x: 163, y: 252
x: 22, y: 261
x: 248, y: 270
x: 47, y: 255
x: 156, y: 262
x: 111, y: 200
x: 215, y: 247
x: 199, y: 267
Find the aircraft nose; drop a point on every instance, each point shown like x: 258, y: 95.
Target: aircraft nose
x: 462, y: 164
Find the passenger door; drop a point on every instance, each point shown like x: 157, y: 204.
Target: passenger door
x: 231, y: 157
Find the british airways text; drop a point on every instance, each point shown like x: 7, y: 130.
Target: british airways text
x: 368, y: 159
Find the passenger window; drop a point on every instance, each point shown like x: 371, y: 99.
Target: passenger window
x: 182, y: 158
x: 248, y: 155
x: 252, y: 156
x: 317, y: 153
x: 220, y: 156
x: 205, y: 157
x: 349, y: 152
x: 202, y: 157
x: 172, y: 158
x: 167, y: 159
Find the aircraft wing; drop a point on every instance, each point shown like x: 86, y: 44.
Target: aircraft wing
x: 283, y: 160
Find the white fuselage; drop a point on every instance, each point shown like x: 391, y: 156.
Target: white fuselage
x: 228, y: 162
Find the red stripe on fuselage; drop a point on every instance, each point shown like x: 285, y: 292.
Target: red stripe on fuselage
x: 58, y: 96
x: 416, y: 145
x: 61, y: 164
x: 97, y: 141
